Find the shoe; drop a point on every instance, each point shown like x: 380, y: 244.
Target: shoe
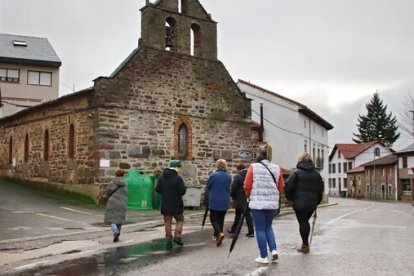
x: 220, y: 239
x: 116, y: 236
x: 275, y: 255
x: 229, y: 231
x: 250, y: 235
x: 261, y: 260
x: 304, y: 249
x: 178, y: 240
x: 214, y: 238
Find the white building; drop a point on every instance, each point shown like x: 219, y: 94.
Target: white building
x: 29, y: 72
x: 345, y: 157
x: 290, y: 127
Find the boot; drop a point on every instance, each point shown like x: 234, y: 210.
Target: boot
x: 304, y: 249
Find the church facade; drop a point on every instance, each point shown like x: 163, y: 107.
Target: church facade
x: 170, y: 98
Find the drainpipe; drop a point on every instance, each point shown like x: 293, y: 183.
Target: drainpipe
x: 261, y: 123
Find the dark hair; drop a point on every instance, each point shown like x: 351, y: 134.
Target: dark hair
x: 241, y: 166
x: 119, y: 173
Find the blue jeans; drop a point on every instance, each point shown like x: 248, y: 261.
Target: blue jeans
x: 116, y: 228
x: 264, y: 232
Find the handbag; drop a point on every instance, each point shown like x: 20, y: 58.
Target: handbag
x: 274, y: 179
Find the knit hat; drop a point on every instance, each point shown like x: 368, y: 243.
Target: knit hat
x: 175, y: 164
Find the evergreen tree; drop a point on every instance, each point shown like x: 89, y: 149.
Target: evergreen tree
x: 377, y: 125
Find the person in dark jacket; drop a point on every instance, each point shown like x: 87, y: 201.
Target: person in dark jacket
x: 240, y: 201
x: 218, y: 186
x: 116, y: 206
x: 171, y: 187
x: 304, y: 188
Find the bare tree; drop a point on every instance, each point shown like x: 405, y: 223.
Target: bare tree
x: 407, y: 116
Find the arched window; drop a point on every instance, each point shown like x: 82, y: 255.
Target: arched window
x: 26, y: 148
x: 169, y: 33
x: 11, y: 150
x: 195, y: 40
x: 71, y: 143
x: 46, y: 146
x: 182, y: 140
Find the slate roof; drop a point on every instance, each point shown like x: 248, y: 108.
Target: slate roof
x: 38, y: 51
x: 386, y: 160
x: 408, y: 149
x: 356, y: 170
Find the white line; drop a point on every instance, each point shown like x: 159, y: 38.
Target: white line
x: 30, y: 265
x: 49, y: 216
x: 348, y: 214
x: 77, y: 211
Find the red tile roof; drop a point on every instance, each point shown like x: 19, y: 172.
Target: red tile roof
x: 350, y: 151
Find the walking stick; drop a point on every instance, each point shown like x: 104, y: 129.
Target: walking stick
x: 315, y: 215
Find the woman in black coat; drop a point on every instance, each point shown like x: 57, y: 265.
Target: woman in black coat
x: 240, y: 201
x: 304, y: 188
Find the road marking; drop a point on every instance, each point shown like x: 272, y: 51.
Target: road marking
x: 77, y: 211
x: 348, y: 214
x: 50, y: 216
x: 30, y: 265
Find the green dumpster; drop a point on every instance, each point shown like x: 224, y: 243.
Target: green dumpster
x: 156, y: 200
x: 140, y: 187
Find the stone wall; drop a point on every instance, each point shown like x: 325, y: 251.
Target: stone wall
x: 55, y: 117
x: 140, y: 105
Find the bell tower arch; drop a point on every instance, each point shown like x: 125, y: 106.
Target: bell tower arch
x: 179, y: 26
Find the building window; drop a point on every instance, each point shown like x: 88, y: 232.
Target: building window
x: 195, y: 38
x: 183, y: 139
x: 71, y: 143
x: 39, y: 78
x: 368, y: 189
x: 9, y: 75
x: 46, y: 146
x: 11, y: 150
x: 330, y: 183
x: 404, y: 162
x: 345, y: 167
x: 345, y: 182
x: 349, y: 165
x: 339, y: 167
x: 389, y: 189
x: 182, y: 147
x: 26, y: 148
x: 333, y: 168
x: 313, y: 152
x: 333, y: 183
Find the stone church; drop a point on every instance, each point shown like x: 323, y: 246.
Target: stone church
x: 170, y: 98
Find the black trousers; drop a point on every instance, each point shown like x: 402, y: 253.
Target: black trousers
x: 303, y: 217
x: 248, y: 218
x: 217, y: 221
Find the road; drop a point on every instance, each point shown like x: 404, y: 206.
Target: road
x: 352, y: 237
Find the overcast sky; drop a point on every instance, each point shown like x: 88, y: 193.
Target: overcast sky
x: 330, y: 55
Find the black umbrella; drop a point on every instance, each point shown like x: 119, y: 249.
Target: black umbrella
x: 204, y: 218
x: 313, y: 226
x: 237, y: 230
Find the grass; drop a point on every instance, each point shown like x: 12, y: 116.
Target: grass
x: 51, y: 192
